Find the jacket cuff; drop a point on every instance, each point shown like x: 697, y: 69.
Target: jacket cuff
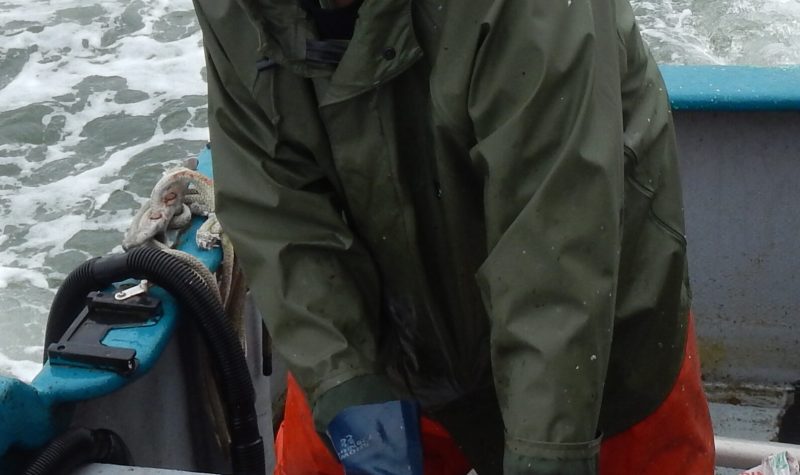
x: 360, y: 390
x: 524, y: 457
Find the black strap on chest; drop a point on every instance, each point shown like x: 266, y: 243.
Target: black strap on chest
x: 321, y: 52
x: 328, y: 52
x: 334, y: 29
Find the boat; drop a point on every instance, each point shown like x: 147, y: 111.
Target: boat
x: 737, y: 129
x: 130, y: 362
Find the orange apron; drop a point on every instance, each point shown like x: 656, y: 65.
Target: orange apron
x: 677, y: 439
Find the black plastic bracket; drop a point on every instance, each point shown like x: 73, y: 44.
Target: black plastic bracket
x: 81, y: 345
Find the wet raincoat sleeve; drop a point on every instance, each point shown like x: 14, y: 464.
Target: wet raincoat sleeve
x: 544, y: 103
x: 313, y: 281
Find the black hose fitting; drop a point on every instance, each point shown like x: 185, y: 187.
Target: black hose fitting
x: 77, y: 447
x: 180, y: 280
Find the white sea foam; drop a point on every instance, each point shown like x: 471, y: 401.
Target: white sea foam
x: 23, y: 370
x: 163, y: 71
x: 18, y: 275
x: 748, y: 32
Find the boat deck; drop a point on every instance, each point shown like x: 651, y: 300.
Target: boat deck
x: 748, y: 413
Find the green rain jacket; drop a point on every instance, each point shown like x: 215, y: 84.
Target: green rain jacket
x: 480, y: 192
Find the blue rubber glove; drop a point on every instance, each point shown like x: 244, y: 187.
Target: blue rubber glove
x: 378, y: 439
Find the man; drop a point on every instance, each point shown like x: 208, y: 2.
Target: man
x: 463, y: 204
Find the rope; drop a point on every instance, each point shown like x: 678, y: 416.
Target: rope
x: 179, y: 195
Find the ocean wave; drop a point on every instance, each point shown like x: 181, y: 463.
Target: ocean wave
x: 24, y: 370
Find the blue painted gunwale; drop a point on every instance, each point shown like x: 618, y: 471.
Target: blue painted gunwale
x: 732, y: 88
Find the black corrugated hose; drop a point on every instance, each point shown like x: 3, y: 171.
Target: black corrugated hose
x: 177, y: 278
x: 77, y: 447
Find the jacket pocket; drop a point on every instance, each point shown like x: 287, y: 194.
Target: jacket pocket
x: 640, y: 199
x: 652, y: 272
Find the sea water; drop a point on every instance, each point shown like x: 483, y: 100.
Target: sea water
x: 98, y: 98
x: 745, y: 32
